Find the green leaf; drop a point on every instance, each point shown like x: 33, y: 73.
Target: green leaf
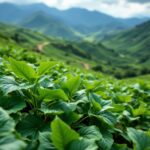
x: 82, y: 144
x: 123, y: 97
x: 7, y: 124
x: 22, y: 69
x: 117, y: 108
x: 120, y: 147
x: 57, y: 107
x: 7, y: 139
x: 62, y: 134
x: 107, y: 140
x: 103, y: 104
x: 52, y: 94
x: 44, y: 67
x: 105, y: 117
x: 70, y: 117
x: 31, y: 125
x: 13, y: 103
x: 140, y: 139
x: 141, y: 110
x: 8, y: 84
x: 52, y: 109
x: 90, y: 132
x: 10, y: 142
x: 96, y: 107
x: 72, y: 84
x: 45, y: 141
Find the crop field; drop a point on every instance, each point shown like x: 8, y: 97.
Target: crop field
x: 49, y: 106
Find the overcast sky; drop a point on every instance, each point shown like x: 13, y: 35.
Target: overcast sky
x: 118, y: 8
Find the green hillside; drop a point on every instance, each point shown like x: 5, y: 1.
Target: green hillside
x: 19, y: 42
x: 14, y: 39
x: 134, y: 42
x: 133, y: 45
x: 50, y: 26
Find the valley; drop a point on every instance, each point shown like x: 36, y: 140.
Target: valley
x: 75, y: 78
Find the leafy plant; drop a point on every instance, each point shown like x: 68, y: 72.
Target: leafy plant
x: 51, y: 106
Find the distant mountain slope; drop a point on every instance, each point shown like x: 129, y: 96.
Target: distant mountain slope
x: 10, y: 12
x: 82, y: 22
x: 134, y: 42
x: 49, y: 25
x: 87, y: 21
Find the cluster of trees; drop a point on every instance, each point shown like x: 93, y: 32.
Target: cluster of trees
x: 126, y: 72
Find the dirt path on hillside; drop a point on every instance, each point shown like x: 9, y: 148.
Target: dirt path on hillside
x: 86, y: 66
x: 40, y: 47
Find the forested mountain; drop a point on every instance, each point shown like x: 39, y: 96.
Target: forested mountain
x: 134, y: 42
x: 74, y: 23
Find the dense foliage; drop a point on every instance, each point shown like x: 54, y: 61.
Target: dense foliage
x: 48, y: 106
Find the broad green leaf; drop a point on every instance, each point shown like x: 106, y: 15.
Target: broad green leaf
x: 82, y: 144
x: 52, y: 94
x: 120, y: 147
x: 52, y: 109
x: 107, y: 140
x: 108, y: 117
x: 22, y: 69
x: 57, y: 107
x: 123, y: 97
x: 45, y: 141
x: 7, y: 124
x: 70, y: 117
x: 44, y: 67
x: 140, y: 139
x: 46, y: 82
x: 141, y: 110
x: 96, y: 107
x: 13, y: 103
x: 62, y: 134
x: 31, y: 125
x: 72, y: 84
x: 92, y: 85
x: 10, y: 142
x: 117, y: 108
x: 105, y: 117
x: 90, y: 132
x: 7, y: 139
x: 103, y: 104
x: 8, y: 84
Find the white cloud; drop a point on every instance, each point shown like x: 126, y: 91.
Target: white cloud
x: 117, y: 8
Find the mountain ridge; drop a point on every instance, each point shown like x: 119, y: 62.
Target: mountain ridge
x: 81, y: 21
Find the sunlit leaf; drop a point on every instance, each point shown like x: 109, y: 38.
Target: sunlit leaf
x: 62, y: 134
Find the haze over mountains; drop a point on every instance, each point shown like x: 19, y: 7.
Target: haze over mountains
x: 71, y: 24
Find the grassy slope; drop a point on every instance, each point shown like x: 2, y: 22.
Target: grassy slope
x: 78, y: 52
x: 19, y: 39
x: 134, y: 42
x: 25, y: 42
